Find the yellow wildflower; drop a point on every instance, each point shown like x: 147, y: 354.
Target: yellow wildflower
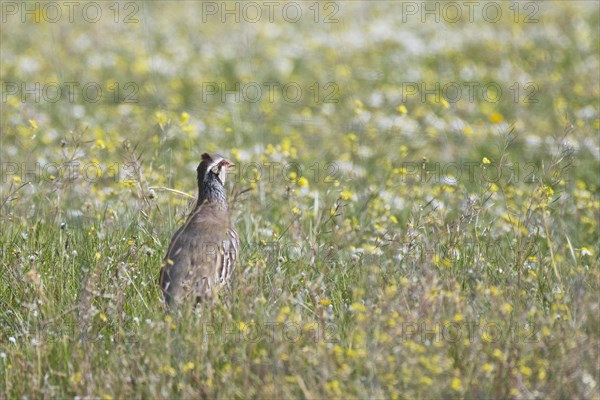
x: 496, y: 118
x: 187, y: 367
x: 185, y: 117
x: 456, y: 385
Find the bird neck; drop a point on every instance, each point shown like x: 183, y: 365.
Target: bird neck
x: 211, y: 190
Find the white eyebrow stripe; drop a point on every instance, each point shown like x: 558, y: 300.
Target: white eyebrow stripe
x: 216, y: 162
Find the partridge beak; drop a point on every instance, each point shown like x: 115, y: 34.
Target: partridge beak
x: 229, y: 164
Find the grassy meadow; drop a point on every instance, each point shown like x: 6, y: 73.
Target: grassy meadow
x: 416, y: 191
